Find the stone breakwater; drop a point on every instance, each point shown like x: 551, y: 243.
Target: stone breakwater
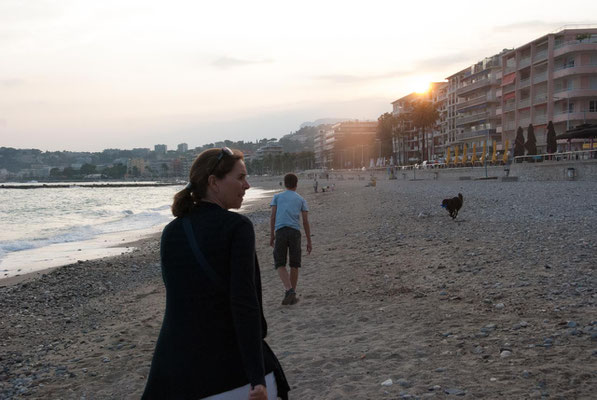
x: 397, y: 300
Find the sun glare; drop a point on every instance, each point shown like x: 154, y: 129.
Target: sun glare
x: 422, y: 87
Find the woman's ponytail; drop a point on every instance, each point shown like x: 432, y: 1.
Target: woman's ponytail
x: 183, y: 203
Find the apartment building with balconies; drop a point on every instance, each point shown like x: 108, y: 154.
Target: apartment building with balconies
x: 407, y: 140
x: 439, y: 134
x: 553, y: 78
x: 348, y: 144
x: 318, y: 147
x: 270, y: 149
x: 474, y: 104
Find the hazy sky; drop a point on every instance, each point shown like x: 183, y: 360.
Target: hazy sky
x: 89, y: 75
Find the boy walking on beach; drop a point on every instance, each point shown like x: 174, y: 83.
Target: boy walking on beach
x: 285, y: 235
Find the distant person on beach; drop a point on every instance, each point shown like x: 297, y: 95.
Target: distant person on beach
x: 315, y: 184
x: 211, y: 344
x: 285, y: 235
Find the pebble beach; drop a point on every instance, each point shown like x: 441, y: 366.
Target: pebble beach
x: 397, y: 300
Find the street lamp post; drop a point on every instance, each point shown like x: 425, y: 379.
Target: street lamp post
x: 486, y: 150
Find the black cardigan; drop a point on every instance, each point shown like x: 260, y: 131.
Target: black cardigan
x: 211, y: 339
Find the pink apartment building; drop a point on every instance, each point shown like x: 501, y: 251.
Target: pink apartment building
x: 473, y: 105
x: 553, y: 78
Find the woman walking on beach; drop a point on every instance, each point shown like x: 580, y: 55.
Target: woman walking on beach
x: 211, y: 343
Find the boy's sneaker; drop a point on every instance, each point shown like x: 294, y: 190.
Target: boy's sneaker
x: 289, y: 297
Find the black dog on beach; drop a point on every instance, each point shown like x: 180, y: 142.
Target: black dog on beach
x: 453, y: 205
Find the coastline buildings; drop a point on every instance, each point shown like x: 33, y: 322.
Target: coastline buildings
x: 407, y: 141
x: 474, y: 113
x: 272, y: 148
x: 319, y: 145
x: 552, y: 78
x: 160, y: 149
x: 350, y: 144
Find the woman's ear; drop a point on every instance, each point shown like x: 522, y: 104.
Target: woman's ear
x: 212, y: 182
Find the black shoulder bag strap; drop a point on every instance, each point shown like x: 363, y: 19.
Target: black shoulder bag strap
x: 201, y: 261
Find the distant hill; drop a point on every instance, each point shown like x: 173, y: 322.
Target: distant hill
x: 324, y: 121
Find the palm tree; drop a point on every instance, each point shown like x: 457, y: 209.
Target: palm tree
x: 424, y: 115
x: 386, y: 124
x: 401, y: 135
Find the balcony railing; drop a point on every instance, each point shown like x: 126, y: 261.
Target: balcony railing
x: 509, y: 106
x: 509, y: 126
x: 473, y: 134
x: 575, y: 42
x: 524, y: 103
x: 472, y: 118
x: 540, y: 77
x: 524, y: 83
x: 540, y: 98
x: 524, y: 62
x: 476, y: 85
x: 575, y: 92
x: 541, y: 55
x: 540, y: 119
x: 471, y: 102
x: 566, y: 70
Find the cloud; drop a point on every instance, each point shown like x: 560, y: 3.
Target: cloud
x: 11, y: 83
x: 345, y: 78
x: 3, y: 123
x: 449, y: 63
x: 533, y: 25
x: 231, y: 62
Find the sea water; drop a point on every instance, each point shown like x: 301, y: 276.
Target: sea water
x: 48, y: 227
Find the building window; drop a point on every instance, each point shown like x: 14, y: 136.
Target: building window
x: 570, y: 63
x: 592, y: 105
x: 570, y: 108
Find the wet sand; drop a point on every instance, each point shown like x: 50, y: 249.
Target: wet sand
x: 499, y: 303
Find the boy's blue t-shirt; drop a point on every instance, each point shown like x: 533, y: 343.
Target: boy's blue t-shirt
x: 289, y: 207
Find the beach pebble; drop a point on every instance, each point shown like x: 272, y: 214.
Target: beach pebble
x: 404, y: 383
x: 505, y: 353
x: 521, y: 324
x: 455, y: 392
x: 499, y: 306
x: 387, y: 382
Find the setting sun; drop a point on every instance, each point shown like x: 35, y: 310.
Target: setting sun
x: 422, y: 86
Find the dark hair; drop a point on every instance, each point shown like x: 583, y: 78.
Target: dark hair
x: 187, y: 198
x: 290, y: 181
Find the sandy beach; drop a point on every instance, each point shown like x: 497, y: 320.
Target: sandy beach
x: 397, y: 300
